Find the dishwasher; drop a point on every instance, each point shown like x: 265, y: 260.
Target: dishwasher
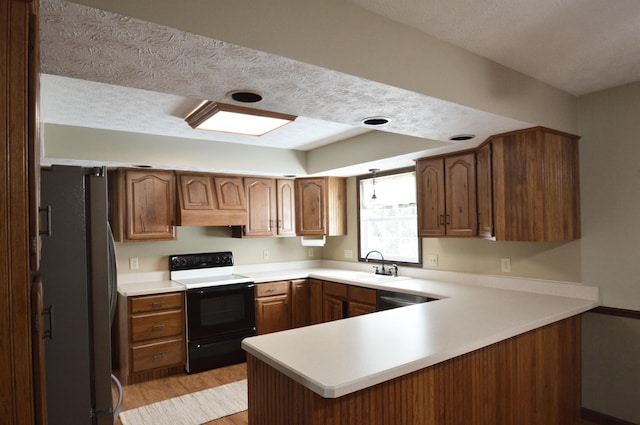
x: 387, y: 300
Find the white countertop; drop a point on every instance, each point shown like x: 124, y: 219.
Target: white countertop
x: 336, y: 358
x: 132, y: 284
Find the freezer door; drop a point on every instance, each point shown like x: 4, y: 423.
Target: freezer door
x: 74, y: 271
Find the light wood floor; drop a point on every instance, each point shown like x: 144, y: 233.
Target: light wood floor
x: 137, y: 395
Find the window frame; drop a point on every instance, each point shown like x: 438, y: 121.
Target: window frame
x: 361, y: 257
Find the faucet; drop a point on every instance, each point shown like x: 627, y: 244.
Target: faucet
x: 393, y: 270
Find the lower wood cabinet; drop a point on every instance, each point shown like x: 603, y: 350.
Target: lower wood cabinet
x: 335, y: 304
x: 315, y: 301
x: 295, y: 303
x: 361, y: 300
x: 300, y: 303
x: 273, y: 311
x: 150, y: 336
x: 341, y: 301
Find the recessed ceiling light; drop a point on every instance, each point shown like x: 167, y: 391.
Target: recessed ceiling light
x: 245, y: 96
x: 375, y: 121
x: 236, y: 119
x: 461, y: 137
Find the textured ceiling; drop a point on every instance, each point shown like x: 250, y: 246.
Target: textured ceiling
x: 579, y: 46
x: 110, y: 71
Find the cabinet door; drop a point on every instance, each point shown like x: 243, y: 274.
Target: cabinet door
x: 485, y: 193
x: 431, y: 200
x: 261, y: 206
x: 315, y: 302
x: 311, y: 207
x: 358, y: 309
x: 196, y: 192
x: 335, y: 305
x: 536, y: 186
x: 230, y: 192
x: 460, y: 195
x: 300, y: 303
x: 272, y: 314
x: 286, y: 212
x: 334, y: 308
x: 150, y: 205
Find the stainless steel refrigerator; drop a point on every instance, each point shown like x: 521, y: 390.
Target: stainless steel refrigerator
x: 79, y: 286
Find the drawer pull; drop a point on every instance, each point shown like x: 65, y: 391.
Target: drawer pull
x: 271, y: 289
x: 157, y: 326
x: 158, y: 356
x: 157, y: 303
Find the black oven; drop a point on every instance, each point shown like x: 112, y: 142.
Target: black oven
x: 220, y: 309
x: 218, y: 319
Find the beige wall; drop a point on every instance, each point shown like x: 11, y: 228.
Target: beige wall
x: 610, y: 179
x: 154, y: 256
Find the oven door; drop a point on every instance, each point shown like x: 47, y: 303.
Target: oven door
x: 219, y: 310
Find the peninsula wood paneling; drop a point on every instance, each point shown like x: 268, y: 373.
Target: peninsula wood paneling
x: 531, y: 379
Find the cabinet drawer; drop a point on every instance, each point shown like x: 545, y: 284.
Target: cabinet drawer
x: 156, y: 302
x: 157, y: 325
x: 337, y: 290
x: 161, y: 354
x: 272, y: 288
x: 362, y: 295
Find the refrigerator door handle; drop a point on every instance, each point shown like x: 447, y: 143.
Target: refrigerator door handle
x: 48, y: 312
x: 46, y: 210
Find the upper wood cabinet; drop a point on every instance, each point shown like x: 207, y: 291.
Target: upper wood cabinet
x: 321, y: 206
x: 484, y: 191
x: 286, y: 207
x: 270, y: 208
x: 261, y: 206
x: 446, y: 189
x: 536, y: 188
x: 143, y: 205
x: 210, y: 200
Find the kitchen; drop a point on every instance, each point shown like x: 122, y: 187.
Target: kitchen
x: 603, y: 116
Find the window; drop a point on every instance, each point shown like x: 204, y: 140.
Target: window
x: 388, y: 222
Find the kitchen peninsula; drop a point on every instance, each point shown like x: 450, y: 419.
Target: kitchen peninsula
x: 478, y: 355
x: 490, y: 350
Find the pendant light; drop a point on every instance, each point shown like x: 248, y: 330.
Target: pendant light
x: 373, y: 203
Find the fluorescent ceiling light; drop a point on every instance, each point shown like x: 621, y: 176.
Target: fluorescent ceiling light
x: 236, y: 119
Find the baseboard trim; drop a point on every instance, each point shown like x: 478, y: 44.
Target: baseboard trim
x: 602, y: 419
x: 614, y: 311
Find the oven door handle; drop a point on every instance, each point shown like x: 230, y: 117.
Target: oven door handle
x: 220, y: 288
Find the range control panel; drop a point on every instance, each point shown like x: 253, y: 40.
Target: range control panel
x: 200, y: 261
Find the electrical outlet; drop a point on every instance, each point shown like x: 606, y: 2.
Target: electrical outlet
x: 133, y: 263
x: 310, y: 252
x: 348, y: 253
x: 505, y: 265
x: 265, y: 254
x: 432, y: 260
